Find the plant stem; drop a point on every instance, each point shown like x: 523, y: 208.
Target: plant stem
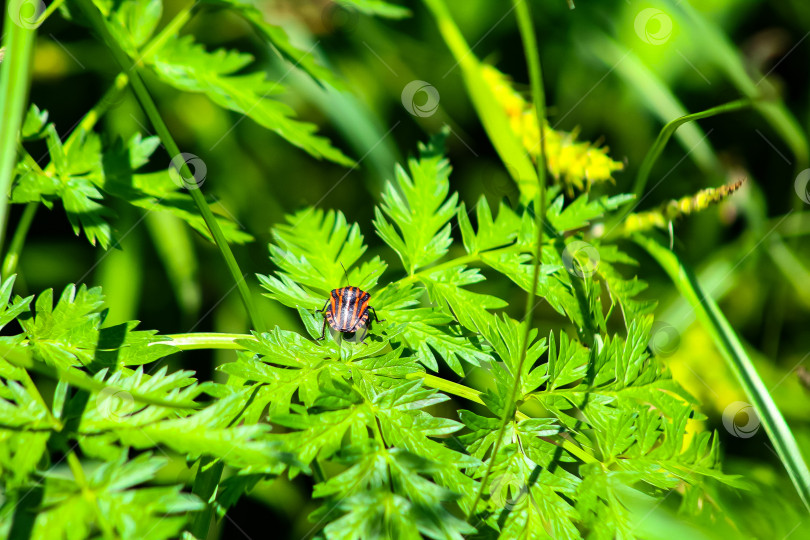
x: 526, y: 27
x: 172, y: 28
x: 473, y: 257
x: 726, y: 340
x: 667, y: 132
x: 17, y: 241
x: 49, y: 11
x: 149, y: 107
x: 464, y: 259
x: 206, y: 340
x: 448, y: 386
x: 112, y: 95
x: 14, y: 74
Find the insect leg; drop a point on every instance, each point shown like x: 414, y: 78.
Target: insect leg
x: 323, y: 330
x: 374, y: 312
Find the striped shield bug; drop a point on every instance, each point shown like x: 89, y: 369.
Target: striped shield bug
x: 347, y: 310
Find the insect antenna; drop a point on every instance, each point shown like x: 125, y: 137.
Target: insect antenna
x: 345, y: 272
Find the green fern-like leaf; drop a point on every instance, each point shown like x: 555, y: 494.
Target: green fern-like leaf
x: 83, y: 173
x: 419, y: 209
x: 114, y: 491
x: 187, y: 66
x: 311, y: 251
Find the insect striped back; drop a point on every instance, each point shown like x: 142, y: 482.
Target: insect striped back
x: 348, y: 309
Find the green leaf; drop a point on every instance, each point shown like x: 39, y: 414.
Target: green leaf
x: 419, y: 208
x: 491, y: 233
x: 401, y: 502
x: 9, y: 312
x: 83, y: 172
x: 66, y: 334
x: 24, y: 432
x: 523, y: 493
x: 115, y: 491
x: 133, y: 22
x: 310, y: 249
x: 290, y: 366
x: 567, y: 364
x: 34, y: 124
x: 187, y: 66
x: 278, y: 39
x: 445, y: 288
x: 429, y: 332
x: 208, y: 432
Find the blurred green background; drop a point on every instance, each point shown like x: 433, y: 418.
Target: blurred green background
x: 615, y: 85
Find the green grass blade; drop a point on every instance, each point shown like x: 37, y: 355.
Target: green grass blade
x: 727, y: 341
x: 173, y: 243
x: 666, y: 133
x: 14, y: 74
x: 725, y: 55
x: 492, y: 115
x: 121, y: 276
x: 12, y: 257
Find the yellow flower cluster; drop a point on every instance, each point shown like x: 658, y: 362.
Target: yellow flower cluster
x: 576, y: 164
